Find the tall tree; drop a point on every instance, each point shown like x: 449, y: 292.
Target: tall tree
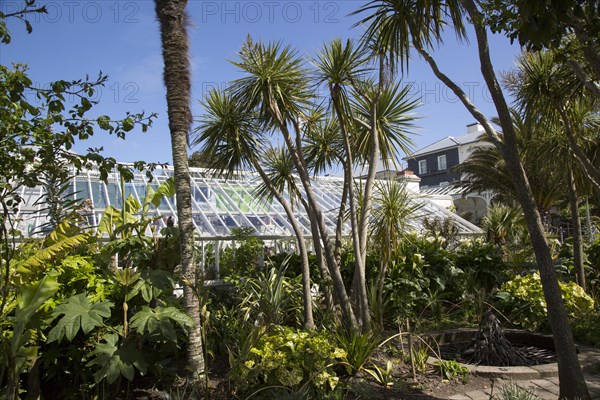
x: 373, y: 116
x: 172, y: 17
x: 233, y: 138
x: 419, y: 23
x: 276, y: 88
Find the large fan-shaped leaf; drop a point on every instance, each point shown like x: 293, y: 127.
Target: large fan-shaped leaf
x: 160, y: 319
x: 116, y: 359
x: 78, y: 313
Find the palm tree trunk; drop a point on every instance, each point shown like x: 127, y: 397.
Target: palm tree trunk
x: 572, y: 383
x: 358, y: 281
x: 338, y: 283
x: 173, y: 20
x: 325, y: 276
x: 309, y: 322
x: 577, y: 232
x: 592, y: 171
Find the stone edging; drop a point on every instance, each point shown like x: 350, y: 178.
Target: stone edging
x: 589, y: 357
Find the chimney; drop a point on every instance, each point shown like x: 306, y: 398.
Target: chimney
x: 474, y: 127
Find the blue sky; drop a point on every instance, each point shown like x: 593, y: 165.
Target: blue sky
x: 121, y: 38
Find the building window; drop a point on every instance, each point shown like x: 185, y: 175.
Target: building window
x: 442, y: 163
x: 422, y: 167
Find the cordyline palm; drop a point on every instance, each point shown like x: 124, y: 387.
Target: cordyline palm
x: 394, y: 125
x: 230, y: 134
x: 381, y: 127
x: 370, y: 115
x: 276, y: 89
x: 338, y: 66
x: 486, y: 169
x: 404, y: 24
x: 175, y: 48
x: 392, y: 207
x: 548, y: 89
x: 505, y: 227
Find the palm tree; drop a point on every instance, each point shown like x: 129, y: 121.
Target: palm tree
x: 276, y: 88
x: 544, y: 87
x: 486, y: 169
x: 392, y: 207
x: 172, y: 17
x: 373, y: 117
x: 400, y: 24
x: 565, y: 111
x: 233, y: 137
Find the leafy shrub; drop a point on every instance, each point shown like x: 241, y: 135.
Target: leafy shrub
x: 285, y: 357
x: 423, y: 278
x: 484, y: 261
x: 523, y: 300
x: 358, y: 346
x: 453, y: 370
x: 244, y: 259
x: 587, y: 330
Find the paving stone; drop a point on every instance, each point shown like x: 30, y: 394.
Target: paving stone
x: 546, y: 370
x: 459, y: 397
x: 513, y: 372
x: 552, y: 389
x: 477, y: 395
x: 543, y: 382
x: 545, y: 395
x: 554, y: 380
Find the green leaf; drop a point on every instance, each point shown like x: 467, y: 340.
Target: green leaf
x: 29, y: 300
x: 160, y: 319
x: 166, y: 189
x: 116, y: 359
x: 63, y: 238
x: 78, y: 313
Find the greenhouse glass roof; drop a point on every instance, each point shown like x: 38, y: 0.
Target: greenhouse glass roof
x: 219, y: 205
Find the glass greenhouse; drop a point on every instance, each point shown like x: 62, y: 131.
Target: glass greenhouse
x: 219, y: 205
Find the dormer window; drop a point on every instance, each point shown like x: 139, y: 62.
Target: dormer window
x: 422, y: 167
x: 442, y: 163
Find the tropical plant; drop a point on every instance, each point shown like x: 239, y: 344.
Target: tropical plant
x: 392, y: 207
x: 358, y: 346
x: 523, y: 299
x: 231, y: 134
x: 402, y: 26
x: 20, y: 330
x: 286, y: 358
x: 383, y: 376
x: 453, y: 370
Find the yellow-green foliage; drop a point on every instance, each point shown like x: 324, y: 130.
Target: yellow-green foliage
x: 524, y: 294
x: 291, y: 358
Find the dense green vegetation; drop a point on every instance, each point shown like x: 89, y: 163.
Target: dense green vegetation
x: 95, y: 313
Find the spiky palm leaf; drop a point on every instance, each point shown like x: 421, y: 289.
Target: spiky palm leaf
x: 276, y: 86
x: 280, y: 169
x: 391, y: 24
x: 394, y: 124
x: 228, y: 134
x: 323, y: 147
x: 392, y: 207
